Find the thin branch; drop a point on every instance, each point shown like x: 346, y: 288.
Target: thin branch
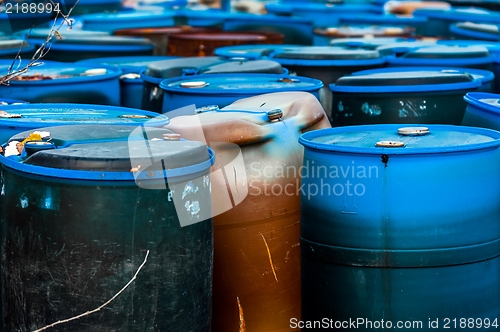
x: 100, y: 307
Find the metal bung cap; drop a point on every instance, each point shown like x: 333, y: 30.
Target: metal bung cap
x: 413, y: 131
x: 171, y: 137
x: 390, y: 144
x: 133, y: 76
x: 209, y: 108
x: 96, y: 71
x: 134, y: 116
x: 289, y: 80
x: 275, y: 114
x: 196, y: 84
x: 4, y: 114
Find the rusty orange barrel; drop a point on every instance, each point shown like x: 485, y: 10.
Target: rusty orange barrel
x: 159, y: 36
x: 255, y: 191
x: 205, y: 43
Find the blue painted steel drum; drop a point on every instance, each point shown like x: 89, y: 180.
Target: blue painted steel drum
x: 483, y: 110
x: 152, y: 97
x: 442, y: 55
x: 296, y: 30
x: 439, y: 20
x: 328, y: 36
x: 92, y: 6
x: 426, y: 96
x: 485, y: 76
x: 400, y: 228
x: 131, y: 84
x: 322, y: 14
x: 416, y: 22
x: 222, y: 90
x: 474, y: 31
x: 9, y: 48
x: 92, y: 222
x: 25, y: 117
x: 127, y: 20
x: 69, y: 83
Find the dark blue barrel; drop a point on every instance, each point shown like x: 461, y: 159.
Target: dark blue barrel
x: 131, y: 84
x: 485, y: 76
x: 439, y: 20
x: 9, y: 48
x: 426, y: 96
x: 222, y: 90
x: 152, y: 97
x: 321, y: 14
x: 328, y: 36
x: 92, y: 215
x: 126, y: 20
x: 417, y: 23
x: 62, y: 82
x: 475, y: 31
x: 442, y: 55
x: 296, y: 30
x: 483, y: 110
x: 18, y: 118
x: 398, y: 226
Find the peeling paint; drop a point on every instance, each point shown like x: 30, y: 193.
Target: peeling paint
x: 24, y: 202
x: 188, y: 189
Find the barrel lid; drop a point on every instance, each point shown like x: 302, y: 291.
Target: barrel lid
x: 177, y: 67
x: 322, y: 7
x: 475, y: 30
x: 222, y: 35
x: 368, y: 43
x: 244, y: 67
x: 7, y: 44
x: 66, y: 135
x: 62, y: 73
x: 405, y: 81
x: 488, y: 102
x: 403, y: 47
x: 327, y: 56
x: 256, y: 51
x: 119, y: 156
x: 240, y: 83
x: 127, y: 16
x: 493, y: 47
x: 103, y: 40
x: 485, y: 76
x: 42, y: 33
x: 460, y: 14
x: 128, y: 64
x: 29, y: 115
x: 447, y: 52
x: 386, y: 19
x: 360, y: 31
x: 395, y: 140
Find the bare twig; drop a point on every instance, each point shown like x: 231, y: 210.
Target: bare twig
x: 42, y: 49
x: 100, y: 307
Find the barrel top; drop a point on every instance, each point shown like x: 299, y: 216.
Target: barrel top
x: 401, y: 139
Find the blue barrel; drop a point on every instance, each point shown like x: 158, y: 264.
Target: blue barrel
x: 475, y: 31
x: 131, y: 84
x: 485, y: 76
x: 91, y: 6
x: 416, y: 22
x: 152, y: 97
x: 322, y: 14
x: 426, y: 96
x: 402, y: 47
x: 9, y: 48
x: 92, y: 222
x: 369, y: 43
x: 483, y: 110
x: 16, y: 21
x: 296, y: 30
x: 38, y: 36
x: 335, y: 35
x: 439, y: 20
x: 7, y: 101
x: 209, y: 17
x: 19, y: 118
x: 398, y: 225
x: 222, y: 90
x: 127, y: 20
x: 442, y: 55
x: 61, y: 82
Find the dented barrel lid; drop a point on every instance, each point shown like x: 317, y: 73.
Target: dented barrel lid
x: 65, y: 135
x: 401, y: 139
x: 239, y: 84
x: 61, y: 73
x: 42, y: 115
x: 409, y: 81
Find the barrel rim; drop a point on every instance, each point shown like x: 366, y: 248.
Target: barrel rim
x: 305, y: 140
x: 391, y: 59
x: 475, y: 83
x: 474, y: 99
x: 473, y: 34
